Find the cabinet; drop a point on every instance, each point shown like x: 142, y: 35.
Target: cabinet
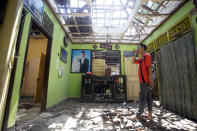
x: 103, y: 88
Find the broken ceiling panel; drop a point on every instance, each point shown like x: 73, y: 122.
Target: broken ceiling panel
x: 83, y: 18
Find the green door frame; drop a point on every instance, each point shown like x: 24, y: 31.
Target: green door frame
x: 47, y: 68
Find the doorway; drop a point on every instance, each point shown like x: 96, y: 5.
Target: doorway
x: 32, y: 89
x: 38, y: 46
x: 133, y: 86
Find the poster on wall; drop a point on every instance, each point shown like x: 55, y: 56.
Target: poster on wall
x: 63, y: 55
x: 81, y: 61
x: 35, y: 7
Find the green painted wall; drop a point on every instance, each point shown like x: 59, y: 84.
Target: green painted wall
x: 57, y: 86
x: 75, y: 78
x: 186, y: 9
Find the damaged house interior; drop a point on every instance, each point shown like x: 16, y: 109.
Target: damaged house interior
x: 96, y: 65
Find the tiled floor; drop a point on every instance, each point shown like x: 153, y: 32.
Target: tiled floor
x: 76, y: 116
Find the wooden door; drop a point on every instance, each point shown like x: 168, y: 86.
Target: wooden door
x: 30, y: 77
x: 133, y: 86
x: 40, y: 80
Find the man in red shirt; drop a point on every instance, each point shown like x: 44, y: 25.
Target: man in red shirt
x: 146, y: 82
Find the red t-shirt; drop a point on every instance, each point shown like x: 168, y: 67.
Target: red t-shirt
x: 146, y: 62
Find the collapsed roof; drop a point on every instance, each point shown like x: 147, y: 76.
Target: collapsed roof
x: 112, y: 21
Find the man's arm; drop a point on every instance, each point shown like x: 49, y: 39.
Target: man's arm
x: 134, y: 57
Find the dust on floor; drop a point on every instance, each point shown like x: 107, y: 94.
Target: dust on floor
x: 76, y: 116
x: 27, y: 110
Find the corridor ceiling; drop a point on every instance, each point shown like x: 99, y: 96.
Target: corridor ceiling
x: 112, y: 21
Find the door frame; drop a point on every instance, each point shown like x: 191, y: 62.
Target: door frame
x: 47, y: 61
x: 47, y: 67
x: 13, y: 72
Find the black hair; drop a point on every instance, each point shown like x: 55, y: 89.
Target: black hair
x: 83, y: 52
x: 144, y: 46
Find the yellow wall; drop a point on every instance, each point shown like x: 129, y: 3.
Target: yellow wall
x: 36, y: 47
x: 8, y: 37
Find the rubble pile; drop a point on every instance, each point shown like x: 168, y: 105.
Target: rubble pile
x: 76, y: 116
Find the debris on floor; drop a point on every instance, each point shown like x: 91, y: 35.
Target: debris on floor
x: 27, y: 110
x: 76, y: 116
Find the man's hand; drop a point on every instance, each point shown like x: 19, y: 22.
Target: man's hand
x: 135, y: 52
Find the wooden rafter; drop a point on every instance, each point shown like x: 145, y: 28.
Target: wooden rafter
x: 86, y: 6
x: 79, y: 33
x: 74, y: 14
x: 149, y: 9
x: 77, y: 27
x: 150, y: 17
x: 122, y: 35
x: 86, y: 37
x: 153, y: 15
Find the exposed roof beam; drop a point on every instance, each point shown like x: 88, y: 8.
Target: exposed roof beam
x: 153, y: 15
x: 140, y: 21
x: 58, y: 19
x: 114, y: 39
x: 149, y: 9
x: 77, y: 27
x: 150, y: 17
x: 113, y: 18
x: 107, y: 9
x: 99, y: 42
x: 130, y: 25
x: 92, y: 37
x: 86, y: 6
x: 172, y: 13
x: 105, y: 35
x: 149, y: 26
x: 74, y: 14
x: 122, y: 35
x: 78, y: 33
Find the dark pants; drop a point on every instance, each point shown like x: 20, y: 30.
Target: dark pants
x: 145, y: 96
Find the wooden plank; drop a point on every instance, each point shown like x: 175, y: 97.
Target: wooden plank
x: 133, y: 87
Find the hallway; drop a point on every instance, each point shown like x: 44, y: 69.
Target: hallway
x: 76, y: 116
